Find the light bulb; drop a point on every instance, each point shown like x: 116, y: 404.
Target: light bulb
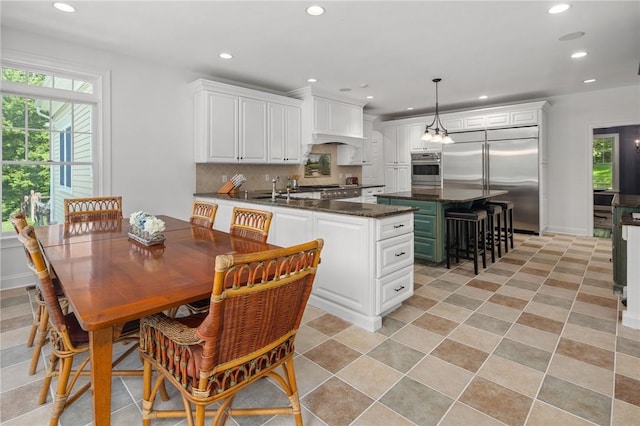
x: 437, y: 138
x: 426, y: 137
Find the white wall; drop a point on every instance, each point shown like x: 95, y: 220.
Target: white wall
x: 152, y: 163
x: 571, y: 120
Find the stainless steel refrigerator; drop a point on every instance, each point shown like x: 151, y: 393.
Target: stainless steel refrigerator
x: 498, y: 159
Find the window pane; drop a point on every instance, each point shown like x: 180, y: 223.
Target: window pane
x: 606, y: 157
x: 26, y: 188
x: 62, y: 83
x: 61, y: 114
x: 81, y: 147
x: 11, y: 74
x: 38, y: 117
x: 38, y: 145
x: 13, y: 111
x: 82, y: 86
x: 40, y: 79
x: 82, y: 118
x: 13, y: 144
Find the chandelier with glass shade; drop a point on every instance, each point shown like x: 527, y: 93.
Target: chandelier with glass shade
x: 435, y: 132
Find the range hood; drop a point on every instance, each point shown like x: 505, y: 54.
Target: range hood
x: 320, y: 138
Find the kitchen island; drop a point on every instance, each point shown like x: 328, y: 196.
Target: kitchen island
x: 431, y: 204
x: 366, y: 269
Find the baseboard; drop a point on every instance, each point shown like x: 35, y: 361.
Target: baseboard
x: 17, y: 281
x: 569, y: 231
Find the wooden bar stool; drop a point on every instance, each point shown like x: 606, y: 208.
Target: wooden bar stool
x: 468, y: 228
x: 507, y: 216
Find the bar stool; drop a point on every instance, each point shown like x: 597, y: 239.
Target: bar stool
x: 494, y: 238
x: 507, y: 216
x: 468, y: 227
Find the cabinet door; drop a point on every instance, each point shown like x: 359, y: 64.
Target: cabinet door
x: 222, y: 134
x: 253, y: 131
x: 320, y: 115
x: 291, y: 226
x: 391, y: 179
x: 356, y: 121
x: 415, y: 134
x: 403, y: 145
x: 389, y: 144
x: 519, y: 118
x: 404, y: 178
x: 477, y: 122
x: 293, y: 134
x: 452, y: 124
x: 277, y: 133
x: 498, y: 120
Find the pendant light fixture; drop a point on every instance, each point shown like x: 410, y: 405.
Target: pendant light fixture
x: 440, y: 134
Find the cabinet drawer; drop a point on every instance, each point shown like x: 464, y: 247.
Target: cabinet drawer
x: 394, y: 288
x: 393, y: 254
x: 425, y: 249
x: 426, y: 207
x: 393, y: 226
x: 424, y: 225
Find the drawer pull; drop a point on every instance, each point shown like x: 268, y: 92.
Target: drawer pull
x: 400, y: 254
x: 399, y: 288
x: 398, y: 226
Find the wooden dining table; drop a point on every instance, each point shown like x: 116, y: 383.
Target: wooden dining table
x: 110, y: 279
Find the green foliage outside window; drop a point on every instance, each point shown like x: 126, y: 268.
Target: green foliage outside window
x: 25, y: 136
x: 602, y: 163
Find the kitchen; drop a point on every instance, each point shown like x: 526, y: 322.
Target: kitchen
x: 163, y: 109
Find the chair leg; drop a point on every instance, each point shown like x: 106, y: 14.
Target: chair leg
x: 499, y: 231
x: 474, y: 229
x: 43, y: 331
x: 505, y: 215
x: 35, y: 325
x: 51, y: 371
x: 294, y: 398
x: 447, y: 242
x: 511, y: 227
x: 483, y: 236
x: 61, y: 393
x: 146, y: 392
x: 491, y: 240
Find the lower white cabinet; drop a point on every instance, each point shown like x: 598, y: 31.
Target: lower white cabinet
x: 369, y: 194
x: 366, y: 267
x: 397, y: 178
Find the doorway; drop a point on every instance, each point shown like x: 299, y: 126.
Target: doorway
x: 605, y: 177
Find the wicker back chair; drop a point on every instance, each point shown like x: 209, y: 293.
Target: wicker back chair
x: 93, y: 208
x: 203, y: 214
x: 40, y: 325
x: 249, y: 223
x: 255, y: 310
x: 68, y: 339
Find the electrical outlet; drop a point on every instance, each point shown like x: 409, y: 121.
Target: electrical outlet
x: 224, y: 178
x: 266, y: 178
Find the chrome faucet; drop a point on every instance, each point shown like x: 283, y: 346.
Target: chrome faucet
x: 273, y: 188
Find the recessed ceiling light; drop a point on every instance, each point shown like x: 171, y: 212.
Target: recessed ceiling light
x: 482, y: 97
x: 590, y: 80
x: 370, y: 97
x: 559, y: 8
x: 312, y: 80
x: 409, y: 108
x: 580, y: 54
x: 64, y: 7
x: 315, y: 10
x: 225, y: 55
x: 571, y: 36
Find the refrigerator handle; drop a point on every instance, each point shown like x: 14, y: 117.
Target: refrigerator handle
x: 486, y: 167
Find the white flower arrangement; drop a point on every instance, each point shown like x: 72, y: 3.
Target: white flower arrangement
x: 146, y: 222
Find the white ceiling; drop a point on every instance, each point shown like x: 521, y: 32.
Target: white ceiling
x: 507, y: 50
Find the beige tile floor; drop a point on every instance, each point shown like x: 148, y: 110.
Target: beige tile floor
x: 534, y: 339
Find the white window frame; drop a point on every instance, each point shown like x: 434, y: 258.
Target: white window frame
x: 66, y: 148
x: 100, y: 99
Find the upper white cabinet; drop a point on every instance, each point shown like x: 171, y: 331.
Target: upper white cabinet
x: 285, y: 133
x: 396, y: 144
x: 238, y: 125
x: 328, y: 117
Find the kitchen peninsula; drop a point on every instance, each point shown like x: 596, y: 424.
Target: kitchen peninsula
x: 366, y: 269
x: 431, y: 204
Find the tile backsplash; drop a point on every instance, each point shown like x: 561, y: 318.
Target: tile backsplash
x: 209, y: 176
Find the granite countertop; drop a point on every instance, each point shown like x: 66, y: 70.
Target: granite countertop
x: 329, y: 206
x: 626, y: 200
x: 447, y: 195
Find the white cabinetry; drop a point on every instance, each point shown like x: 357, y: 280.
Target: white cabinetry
x: 396, y: 145
x: 285, y: 133
x: 367, y: 264
x: 369, y: 194
x: 397, y: 178
x: 327, y: 117
x: 238, y: 125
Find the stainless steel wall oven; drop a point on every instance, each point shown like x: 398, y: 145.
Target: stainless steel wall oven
x: 426, y: 169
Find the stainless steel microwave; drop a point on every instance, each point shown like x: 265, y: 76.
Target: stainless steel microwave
x: 426, y: 169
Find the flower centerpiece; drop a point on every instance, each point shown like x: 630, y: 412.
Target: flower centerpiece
x: 146, y: 228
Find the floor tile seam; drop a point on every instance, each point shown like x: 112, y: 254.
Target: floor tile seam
x: 470, y: 407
